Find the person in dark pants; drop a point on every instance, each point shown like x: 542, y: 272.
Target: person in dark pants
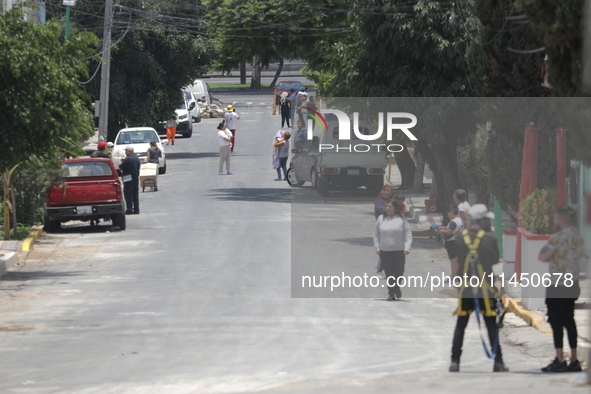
x: 285, y: 104
x: 564, y: 251
x: 392, y: 240
x: 130, y: 172
x: 477, y: 251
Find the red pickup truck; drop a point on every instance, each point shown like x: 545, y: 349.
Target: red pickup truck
x: 91, y: 190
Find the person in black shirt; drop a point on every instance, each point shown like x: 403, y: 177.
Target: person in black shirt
x: 477, y: 251
x: 130, y: 169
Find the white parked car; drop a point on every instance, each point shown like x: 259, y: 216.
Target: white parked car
x: 192, y: 101
x: 139, y: 138
x: 201, y: 91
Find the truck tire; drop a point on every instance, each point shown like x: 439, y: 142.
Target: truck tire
x: 51, y: 226
x: 323, y: 186
x: 314, y: 179
x: 119, y: 220
x: 292, y: 180
x: 162, y: 170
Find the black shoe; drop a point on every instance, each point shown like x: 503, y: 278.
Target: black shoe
x: 454, y: 366
x: 500, y: 367
x: 391, y: 299
x: 136, y: 212
x: 556, y: 366
x: 574, y: 366
x: 155, y: 188
x: 398, y: 292
x: 129, y: 212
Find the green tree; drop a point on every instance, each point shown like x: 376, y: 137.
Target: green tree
x: 405, y: 49
x: 42, y: 104
x: 158, y: 49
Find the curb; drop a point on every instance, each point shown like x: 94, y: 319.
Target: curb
x: 537, y: 321
x: 28, y: 242
x: 7, y: 261
x: 534, y: 319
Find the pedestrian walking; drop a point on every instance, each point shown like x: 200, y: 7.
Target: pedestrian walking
x: 301, y: 136
x: 154, y: 153
x: 101, y: 150
x: 230, y: 118
x: 281, y: 153
x: 463, y: 205
x: 381, y: 200
x: 302, y: 103
x: 477, y: 251
x: 454, y: 226
x: 564, y: 251
x: 130, y: 174
x: 285, y: 105
x: 171, y: 125
x: 380, y: 209
x: 225, y: 142
x: 392, y: 241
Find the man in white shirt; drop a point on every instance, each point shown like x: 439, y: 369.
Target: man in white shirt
x: 230, y: 118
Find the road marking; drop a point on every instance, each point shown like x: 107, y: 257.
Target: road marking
x: 262, y: 104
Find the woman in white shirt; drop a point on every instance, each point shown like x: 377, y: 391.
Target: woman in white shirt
x: 392, y: 240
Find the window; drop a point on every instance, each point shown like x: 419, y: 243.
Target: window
x: 87, y: 169
x: 136, y: 137
x: 290, y: 85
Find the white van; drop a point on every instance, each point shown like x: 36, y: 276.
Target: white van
x: 201, y: 91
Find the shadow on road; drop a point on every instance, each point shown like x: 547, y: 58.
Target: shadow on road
x: 24, y: 276
x: 191, y: 155
x: 364, y: 241
x: 253, y: 194
x: 84, y: 228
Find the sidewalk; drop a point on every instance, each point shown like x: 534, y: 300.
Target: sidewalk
x: 537, y: 319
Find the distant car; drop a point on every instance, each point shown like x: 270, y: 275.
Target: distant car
x: 90, y: 190
x: 183, y: 116
x: 286, y: 86
x: 333, y: 168
x: 201, y: 91
x: 193, y: 102
x: 139, y: 138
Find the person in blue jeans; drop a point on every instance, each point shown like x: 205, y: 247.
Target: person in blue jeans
x: 281, y: 153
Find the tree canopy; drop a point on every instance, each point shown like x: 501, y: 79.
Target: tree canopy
x: 41, y: 101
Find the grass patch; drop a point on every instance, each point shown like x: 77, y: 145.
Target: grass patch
x: 22, y: 232
x: 232, y: 86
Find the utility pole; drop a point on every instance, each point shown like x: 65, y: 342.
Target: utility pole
x: 105, y: 73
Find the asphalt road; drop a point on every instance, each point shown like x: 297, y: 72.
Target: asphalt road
x: 196, y: 295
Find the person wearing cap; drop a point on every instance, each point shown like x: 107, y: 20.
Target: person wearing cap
x: 130, y: 173
x: 564, y: 251
x: 477, y: 251
x: 301, y: 104
x: 230, y: 118
x: 101, y: 150
x: 171, y: 125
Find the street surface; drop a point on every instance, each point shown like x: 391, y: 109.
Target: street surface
x: 195, y: 296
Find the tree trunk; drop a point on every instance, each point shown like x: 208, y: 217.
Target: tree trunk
x: 13, y: 202
x: 255, y: 82
x: 447, y: 175
x: 5, y: 202
x: 417, y: 185
x: 278, y: 73
x: 243, y: 73
x: 406, y: 167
